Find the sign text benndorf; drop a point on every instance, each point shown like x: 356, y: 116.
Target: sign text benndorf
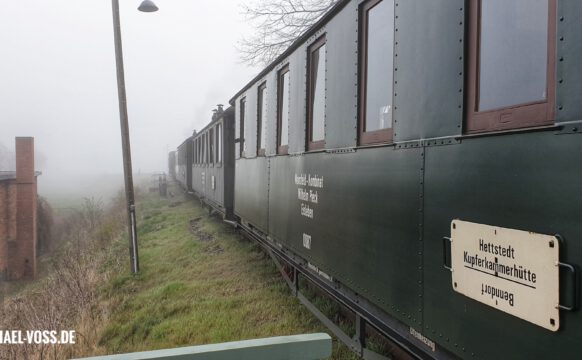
x: 512, y: 270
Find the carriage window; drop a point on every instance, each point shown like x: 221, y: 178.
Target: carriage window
x: 262, y: 120
x: 242, y: 143
x: 376, y: 71
x: 219, y: 143
x: 316, y: 95
x: 511, y: 61
x: 283, y: 111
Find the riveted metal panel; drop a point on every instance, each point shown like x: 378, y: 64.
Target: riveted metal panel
x: 252, y: 189
x: 250, y: 145
x: 229, y: 161
x: 271, y: 116
x: 237, y: 135
x: 569, y: 71
x: 297, y: 100
x: 428, y: 68
x: 342, y: 78
x: 364, y: 221
x: 526, y: 181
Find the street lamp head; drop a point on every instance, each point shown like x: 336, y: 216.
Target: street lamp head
x: 147, y: 6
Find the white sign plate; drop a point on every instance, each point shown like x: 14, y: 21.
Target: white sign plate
x: 511, y: 270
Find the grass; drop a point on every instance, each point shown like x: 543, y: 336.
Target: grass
x: 198, y: 284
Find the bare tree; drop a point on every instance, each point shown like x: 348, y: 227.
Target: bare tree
x: 278, y: 23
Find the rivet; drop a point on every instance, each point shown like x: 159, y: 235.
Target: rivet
x: 561, y: 18
x: 561, y: 38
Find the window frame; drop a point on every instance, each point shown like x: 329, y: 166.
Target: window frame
x: 380, y: 135
x: 241, y: 137
x: 281, y: 149
x: 260, y: 117
x: 316, y: 45
x: 531, y: 114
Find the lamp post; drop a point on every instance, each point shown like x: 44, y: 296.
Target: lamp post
x: 146, y: 6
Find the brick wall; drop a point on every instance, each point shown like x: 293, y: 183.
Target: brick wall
x: 18, y: 216
x: 7, y: 220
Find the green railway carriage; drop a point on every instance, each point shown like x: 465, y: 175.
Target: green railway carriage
x: 212, y: 166
x: 184, y: 164
x: 396, y: 134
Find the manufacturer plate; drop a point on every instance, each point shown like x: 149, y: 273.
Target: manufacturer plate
x: 511, y: 270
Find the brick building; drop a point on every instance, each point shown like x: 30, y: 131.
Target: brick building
x: 18, y: 215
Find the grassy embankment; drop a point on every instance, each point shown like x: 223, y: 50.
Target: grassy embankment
x: 200, y: 282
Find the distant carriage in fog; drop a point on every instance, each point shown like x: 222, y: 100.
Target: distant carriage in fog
x: 419, y: 161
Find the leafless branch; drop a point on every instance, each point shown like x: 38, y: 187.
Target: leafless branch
x: 278, y: 23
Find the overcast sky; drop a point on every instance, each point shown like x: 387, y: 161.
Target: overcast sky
x: 58, y: 82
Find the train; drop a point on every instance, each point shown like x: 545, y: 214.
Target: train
x: 418, y: 162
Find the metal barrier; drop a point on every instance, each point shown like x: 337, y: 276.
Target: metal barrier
x: 296, y: 347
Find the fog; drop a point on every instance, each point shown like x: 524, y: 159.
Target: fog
x: 58, y: 82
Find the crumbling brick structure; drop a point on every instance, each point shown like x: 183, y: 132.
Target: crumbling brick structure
x: 18, y: 215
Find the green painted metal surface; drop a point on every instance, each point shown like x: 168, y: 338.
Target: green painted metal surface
x: 252, y: 191
x: 569, y: 74
x: 365, y: 221
x: 428, y: 70
x: 528, y: 181
x: 380, y: 217
x: 296, y: 347
x: 342, y: 79
x: 297, y: 100
x: 271, y: 116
